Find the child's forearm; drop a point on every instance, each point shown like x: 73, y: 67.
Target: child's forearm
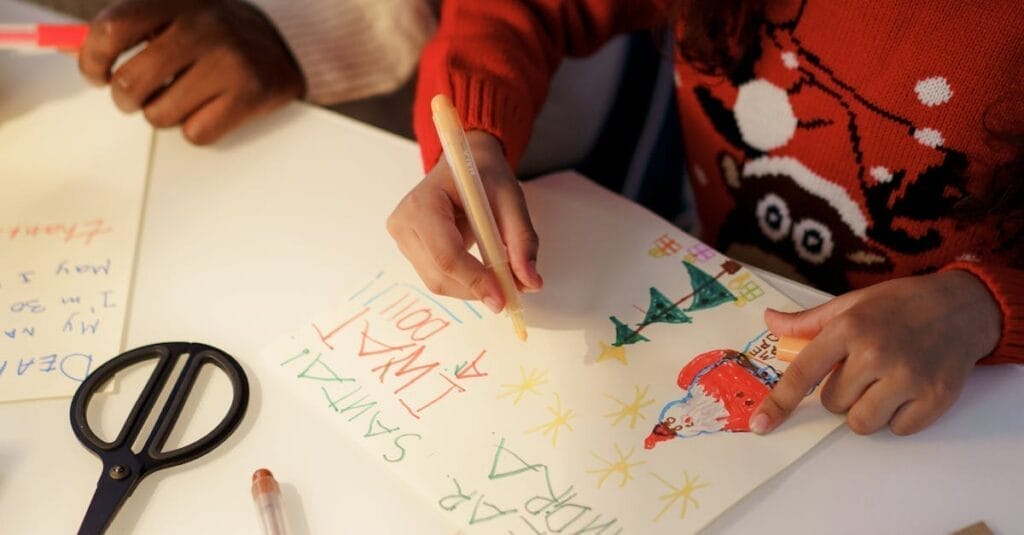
x: 352, y: 49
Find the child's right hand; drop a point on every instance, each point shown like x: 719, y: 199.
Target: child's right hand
x: 431, y: 229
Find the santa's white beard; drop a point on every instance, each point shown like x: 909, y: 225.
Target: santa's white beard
x: 707, y: 414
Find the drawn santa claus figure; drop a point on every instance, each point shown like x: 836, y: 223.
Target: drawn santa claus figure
x: 721, y: 390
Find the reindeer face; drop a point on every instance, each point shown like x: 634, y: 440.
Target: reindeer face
x: 779, y: 214
x: 900, y: 179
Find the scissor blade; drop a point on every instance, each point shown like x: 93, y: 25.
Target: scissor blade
x: 110, y: 495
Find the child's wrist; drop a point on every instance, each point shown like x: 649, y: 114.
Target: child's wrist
x: 488, y: 151
x: 971, y: 293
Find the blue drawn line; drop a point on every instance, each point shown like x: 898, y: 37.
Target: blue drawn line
x: 380, y: 293
x: 473, y: 310
x: 433, y: 300
x: 364, y: 288
x: 752, y: 342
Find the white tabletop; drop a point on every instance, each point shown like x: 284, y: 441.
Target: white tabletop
x: 241, y: 242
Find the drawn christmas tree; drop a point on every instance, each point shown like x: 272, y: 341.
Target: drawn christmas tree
x: 664, y: 311
x: 626, y: 336
x: 707, y: 292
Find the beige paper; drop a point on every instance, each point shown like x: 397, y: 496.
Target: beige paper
x: 565, y: 433
x: 74, y: 171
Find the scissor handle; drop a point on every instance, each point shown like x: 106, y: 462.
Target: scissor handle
x: 151, y: 457
x: 123, y: 468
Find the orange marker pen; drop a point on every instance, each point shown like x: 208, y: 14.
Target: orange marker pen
x: 267, y: 496
x: 477, y: 206
x: 789, y: 347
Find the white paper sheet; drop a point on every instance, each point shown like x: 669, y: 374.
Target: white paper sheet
x: 74, y: 171
x: 557, y: 435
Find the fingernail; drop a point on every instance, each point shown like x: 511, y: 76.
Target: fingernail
x: 759, y: 423
x: 492, y: 304
x: 122, y: 82
x: 531, y: 272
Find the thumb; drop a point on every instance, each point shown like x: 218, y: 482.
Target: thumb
x: 509, y: 207
x: 520, y: 238
x: 806, y: 323
x: 115, y: 30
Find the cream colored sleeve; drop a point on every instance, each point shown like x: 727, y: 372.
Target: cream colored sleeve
x: 350, y: 49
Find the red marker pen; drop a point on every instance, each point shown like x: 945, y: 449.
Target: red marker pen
x: 43, y: 36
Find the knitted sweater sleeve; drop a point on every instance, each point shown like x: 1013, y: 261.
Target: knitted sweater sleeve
x: 495, y: 60
x: 1007, y: 287
x: 349, y: 49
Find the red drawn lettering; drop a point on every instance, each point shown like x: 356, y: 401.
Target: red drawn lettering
x: 366, y: 341
x: 408, y: 408
x: 407, y: 363
x: 411, y: 322
x: 324, y: 338
x: 94, y: 228
x: 453, y: 386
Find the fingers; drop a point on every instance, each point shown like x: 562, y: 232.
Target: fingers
x: 117, y: 29
x: 509, y: 207
x: 916, y: 415
x: 426, y: 230
x: 435, y: 281
x: 431, y: 229
x: 876, y: 407
x: 934, y: 399
x: 444, y: 246
x: 192, y: 90
x: 806, y: 371
x: 846, y: 385
x: 207, y: 65
x: 143, y: 76
x: 807, y: 323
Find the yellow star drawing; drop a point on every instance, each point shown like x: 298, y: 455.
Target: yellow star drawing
x: 529, y: 384
x: 630, y: 409
x: 621, y: 466
x: 560, y: 419
x: 685, y: 493
x: 612, y: 352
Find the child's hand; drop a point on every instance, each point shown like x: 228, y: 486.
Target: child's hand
x: 431, y: 229
x: 208, y: 65
x: 901, y: 351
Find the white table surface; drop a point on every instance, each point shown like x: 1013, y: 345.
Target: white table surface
x: 238, y: 247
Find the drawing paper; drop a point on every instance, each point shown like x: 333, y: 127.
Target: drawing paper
x: 624, y: 412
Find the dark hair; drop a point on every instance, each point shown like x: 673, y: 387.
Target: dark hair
x: 716, y: 37
x: 1002, y: 201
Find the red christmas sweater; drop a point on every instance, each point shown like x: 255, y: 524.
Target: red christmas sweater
x: 835, y: 155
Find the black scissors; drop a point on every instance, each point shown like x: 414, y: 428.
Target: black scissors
x: 123, y: 468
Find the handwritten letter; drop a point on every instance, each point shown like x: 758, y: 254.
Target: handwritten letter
x: 73, y: 179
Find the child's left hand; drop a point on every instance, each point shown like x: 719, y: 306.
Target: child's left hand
x: 901, y: 351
